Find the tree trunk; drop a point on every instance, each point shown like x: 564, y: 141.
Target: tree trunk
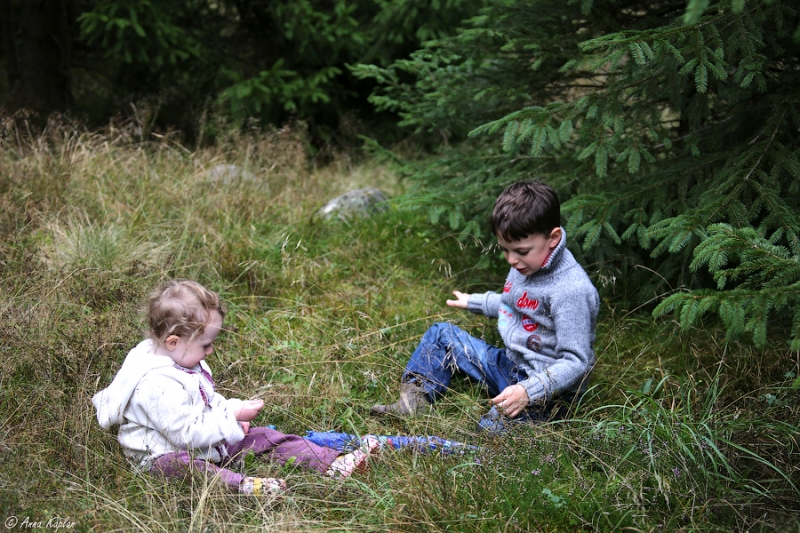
x: 43, y: 48
x: 7, y: 27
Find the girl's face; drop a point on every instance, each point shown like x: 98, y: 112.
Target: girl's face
x: 188, y: 353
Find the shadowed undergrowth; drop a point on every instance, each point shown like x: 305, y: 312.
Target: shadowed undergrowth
x: 679, y: 432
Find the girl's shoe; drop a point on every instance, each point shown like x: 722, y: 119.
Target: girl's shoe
x: 262, y: 486
x: 344, y: 465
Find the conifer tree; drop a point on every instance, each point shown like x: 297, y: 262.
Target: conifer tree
x: 273, y: 61
x: 672, y: 130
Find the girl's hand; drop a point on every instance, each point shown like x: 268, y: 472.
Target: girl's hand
x: 512, y: 400
x: 461, y: 301
x: 249, y: 410
x: 245, y: 426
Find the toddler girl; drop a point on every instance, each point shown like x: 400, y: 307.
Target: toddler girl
x: 171, y: 420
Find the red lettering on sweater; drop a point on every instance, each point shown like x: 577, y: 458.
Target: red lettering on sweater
x: 507, y: 287
x: 526, y: 303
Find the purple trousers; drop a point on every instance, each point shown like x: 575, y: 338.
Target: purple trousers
x: 278, y: 446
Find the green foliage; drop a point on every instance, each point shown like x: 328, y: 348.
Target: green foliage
x: 301, y: 77
x: 656, y: 123
x: 247, y: 58
x: 765, y: 277
x: 139, y: 31
x: 276, y: 86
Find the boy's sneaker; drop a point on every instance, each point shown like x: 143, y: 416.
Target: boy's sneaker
x: 262, y: 486
x: 413, y: 401
x: 344, y: 465
x: 495, y: 423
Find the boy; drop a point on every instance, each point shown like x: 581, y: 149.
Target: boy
x: 546, y: 317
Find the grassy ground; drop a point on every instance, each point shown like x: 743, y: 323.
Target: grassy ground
x: 681, y: 432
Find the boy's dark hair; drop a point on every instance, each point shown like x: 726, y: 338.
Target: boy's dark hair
x: 525, y: 208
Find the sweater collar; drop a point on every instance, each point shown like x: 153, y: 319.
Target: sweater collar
x: 555, y: 255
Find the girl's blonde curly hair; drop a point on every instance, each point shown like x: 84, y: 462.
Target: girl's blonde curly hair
x: 181, y: 307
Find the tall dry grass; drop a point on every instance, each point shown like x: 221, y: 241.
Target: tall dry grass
x: 679, y: 432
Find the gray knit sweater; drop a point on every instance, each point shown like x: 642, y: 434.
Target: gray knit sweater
x: 547, y: 322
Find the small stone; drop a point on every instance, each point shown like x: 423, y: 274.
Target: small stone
x: 360, y: 202
x: 229, y: 174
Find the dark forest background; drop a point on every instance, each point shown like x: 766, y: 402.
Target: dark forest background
x: 273, y: 61
x: 670, y: 128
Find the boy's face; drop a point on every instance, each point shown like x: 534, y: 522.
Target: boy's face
x: 188, y: 353
x: 529, y: 254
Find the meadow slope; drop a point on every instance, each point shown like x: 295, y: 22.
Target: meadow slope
x: 681, y: 431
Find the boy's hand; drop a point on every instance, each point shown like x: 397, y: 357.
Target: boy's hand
x: 461, y: 301
x: 249, y: 410
x: 512, y: 400
x: 245, y: 426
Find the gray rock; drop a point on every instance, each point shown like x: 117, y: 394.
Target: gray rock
x: 229, y: 174
x: 360, y: 202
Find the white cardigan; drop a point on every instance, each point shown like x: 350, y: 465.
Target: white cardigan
x: 162, y: 407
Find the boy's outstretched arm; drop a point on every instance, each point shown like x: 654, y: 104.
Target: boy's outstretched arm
x: 461, y: 300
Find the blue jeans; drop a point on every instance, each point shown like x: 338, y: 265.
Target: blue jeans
x: 446, y: 349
